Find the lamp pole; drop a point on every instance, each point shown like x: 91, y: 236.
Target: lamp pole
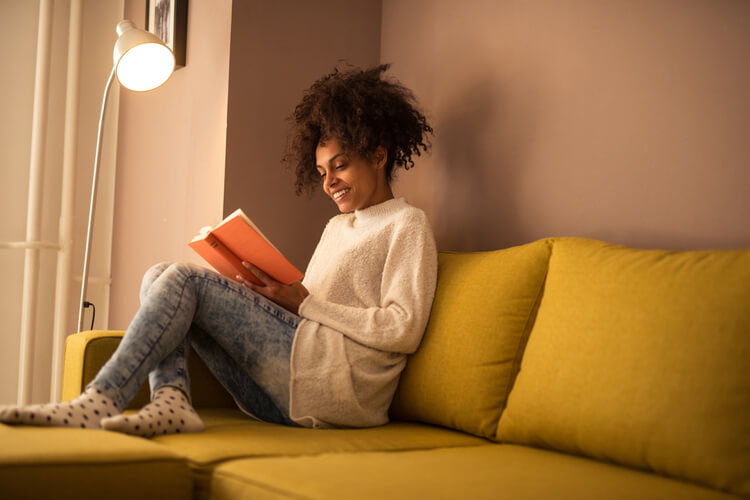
x: 92, y: 205
x: 142, y: 62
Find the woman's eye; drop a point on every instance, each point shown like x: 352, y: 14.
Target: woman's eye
x: 341, y: 167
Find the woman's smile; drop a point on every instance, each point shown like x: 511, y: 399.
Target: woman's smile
x: 337, y: 195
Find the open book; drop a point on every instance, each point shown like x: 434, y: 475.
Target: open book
x: 235, y: 239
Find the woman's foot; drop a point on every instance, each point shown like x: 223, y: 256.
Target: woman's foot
x: 168, y: 413
x: 86, y: 411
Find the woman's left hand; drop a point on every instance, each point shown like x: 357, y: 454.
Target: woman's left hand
x: 287, y: 296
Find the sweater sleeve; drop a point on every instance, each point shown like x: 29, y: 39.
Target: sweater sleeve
x: 406, y: 292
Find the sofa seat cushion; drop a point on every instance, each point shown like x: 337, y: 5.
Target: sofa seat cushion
x: 56, y: 463
x: 483, y: 310
x: 231, y: 435
x: 491, y: 472
x: 640, y: 357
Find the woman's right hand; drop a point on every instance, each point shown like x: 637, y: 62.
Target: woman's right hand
x: 287, y: 296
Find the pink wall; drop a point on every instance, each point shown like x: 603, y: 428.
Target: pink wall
x: 211, y: 139
x: 278, y: 49
x: 623, y: 121
x: 171, y: 151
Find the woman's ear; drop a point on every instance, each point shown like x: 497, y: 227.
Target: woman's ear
x: 381, y: 156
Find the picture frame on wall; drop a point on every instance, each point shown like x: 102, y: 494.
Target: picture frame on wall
x: 167, y: 19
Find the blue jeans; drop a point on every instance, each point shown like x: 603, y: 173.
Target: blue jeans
x: 244, y: 339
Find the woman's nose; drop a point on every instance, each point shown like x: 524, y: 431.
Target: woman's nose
x: 330, y: 180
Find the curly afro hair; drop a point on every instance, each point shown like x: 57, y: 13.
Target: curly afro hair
x: 363, y: 110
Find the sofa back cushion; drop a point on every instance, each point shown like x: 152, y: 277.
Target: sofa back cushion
x: 483, y: 308
x: 642, y: 358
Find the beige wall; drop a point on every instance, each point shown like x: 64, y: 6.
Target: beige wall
x: 18, y: 41
x: 18, y: 38
x: 620, y: 120
x: 170, y: 165
x: 278, y: 49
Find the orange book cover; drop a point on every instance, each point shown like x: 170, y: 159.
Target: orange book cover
x: 236, y: 239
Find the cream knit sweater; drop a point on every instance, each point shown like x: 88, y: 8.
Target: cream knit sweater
x: 371, y: 280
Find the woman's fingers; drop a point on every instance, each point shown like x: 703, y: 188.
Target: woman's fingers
x: 244, y: 281
x: 287, y: 296
x: 266, y: 279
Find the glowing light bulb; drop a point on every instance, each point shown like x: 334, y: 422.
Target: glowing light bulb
x: 145, y: 66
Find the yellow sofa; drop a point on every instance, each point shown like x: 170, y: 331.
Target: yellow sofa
x: 564, y: 368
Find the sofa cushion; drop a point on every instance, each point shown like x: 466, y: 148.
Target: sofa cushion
x: 54, y: 463
x: 491, y: 472
x: 641, y: 357
x: 483, y: 308
x: 231, y: 435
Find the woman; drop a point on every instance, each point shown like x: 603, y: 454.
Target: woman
x: 324, y: 352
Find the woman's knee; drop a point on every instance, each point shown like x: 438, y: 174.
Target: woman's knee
x: 186, y: 269
x: 170, y: 274
x: 150, y: 276
x: 181, y: 272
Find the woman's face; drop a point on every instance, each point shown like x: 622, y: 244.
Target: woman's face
x: 351, y: 181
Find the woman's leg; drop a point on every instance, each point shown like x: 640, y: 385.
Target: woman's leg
x: 244, y: 338
x: 255, y: 374
x: 245, y: 324
x: 168, y: 302
x: 121, y: 377
x: 172, y: 370
x: 170, y: 410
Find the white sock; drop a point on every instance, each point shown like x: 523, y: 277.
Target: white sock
x: 169, y: 412
x: 86, y: 411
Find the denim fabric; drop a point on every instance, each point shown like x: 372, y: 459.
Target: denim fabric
x: 244, y: 339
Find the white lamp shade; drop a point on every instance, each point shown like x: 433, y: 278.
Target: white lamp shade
x: 143, y: 61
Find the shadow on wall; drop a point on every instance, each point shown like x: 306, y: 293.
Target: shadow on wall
x: 482, y: 140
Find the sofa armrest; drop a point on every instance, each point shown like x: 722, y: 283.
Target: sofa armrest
x: 86, y: 352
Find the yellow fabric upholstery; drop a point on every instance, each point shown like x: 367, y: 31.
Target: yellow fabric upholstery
x: 483, y: 309
x: 86, y: 352
x: 232, y: 435
x: 635, y: 358
x: 487, y: 472
x: 641, y: 358
x: 57, y: 463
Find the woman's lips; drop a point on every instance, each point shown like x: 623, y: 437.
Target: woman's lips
x: 340, y: 194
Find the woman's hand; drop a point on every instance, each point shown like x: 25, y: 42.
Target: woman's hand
x: 287, y: 296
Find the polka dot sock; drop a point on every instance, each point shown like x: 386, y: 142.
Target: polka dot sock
x: 169, y: 412
x: 86, y: 411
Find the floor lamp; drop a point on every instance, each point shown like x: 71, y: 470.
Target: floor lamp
x: 142, y: 62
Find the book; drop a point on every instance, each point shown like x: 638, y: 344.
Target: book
x: 237, y: 239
